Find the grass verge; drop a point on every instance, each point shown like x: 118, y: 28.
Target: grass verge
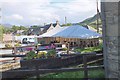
x: 77, y: 74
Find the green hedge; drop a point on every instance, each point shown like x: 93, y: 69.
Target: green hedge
x: 89, y: 49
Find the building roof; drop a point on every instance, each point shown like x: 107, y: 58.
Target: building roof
x: 34, y: 30
x: 52, y: 32
x: 46, y: 27
x: 77, y: 31
x: 40, y: 29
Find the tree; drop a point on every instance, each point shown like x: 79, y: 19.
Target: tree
x: 34, y: 26
x: 68, y: 24
x: 15, y: 28
x: 6, y: 30
x: 1, y: 32
x: 22, y: 28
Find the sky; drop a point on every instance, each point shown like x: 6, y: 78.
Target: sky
x: 38, y: 12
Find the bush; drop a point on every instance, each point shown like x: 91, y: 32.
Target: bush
x: 89, y: 49
x: 31, y: 55
x: 42, y: 54
x: 8, y: 45
x: 64, y: 49
x: 51, y: 53
x: 17, y: 44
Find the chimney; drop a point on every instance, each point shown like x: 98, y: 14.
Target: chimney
x: 51, y: 24
x: 44, y: 24
x: 57, y: 22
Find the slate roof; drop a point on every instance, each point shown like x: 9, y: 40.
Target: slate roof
x: 34, y: 30
x: 39, y: 30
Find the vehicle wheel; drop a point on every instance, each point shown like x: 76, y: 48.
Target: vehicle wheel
x: 28, y: 42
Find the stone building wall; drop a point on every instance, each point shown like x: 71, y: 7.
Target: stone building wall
x: 111, y: 34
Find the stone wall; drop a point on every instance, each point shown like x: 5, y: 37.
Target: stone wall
x: 111, y: 34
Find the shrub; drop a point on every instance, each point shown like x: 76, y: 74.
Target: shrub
x: 17, y: 44
x: 31, y: 55
x: 42, y: 54
x: 64, y: 49
x: 8, y: 45
x: 89, y: 49
x: 51, y: 53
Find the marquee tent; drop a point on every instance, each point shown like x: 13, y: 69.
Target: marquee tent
x: 76, y: 31
x: 53, y: 32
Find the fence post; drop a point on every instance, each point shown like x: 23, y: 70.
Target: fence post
x: 14, y: 51
x: 85, y: 66
x: 37, y: 75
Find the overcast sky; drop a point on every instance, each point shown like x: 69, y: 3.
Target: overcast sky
x: 31, y: 12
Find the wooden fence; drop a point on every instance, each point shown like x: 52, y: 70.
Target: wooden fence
x: 52, y: 65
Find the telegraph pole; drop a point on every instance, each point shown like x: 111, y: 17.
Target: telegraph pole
x: 65, y: 20
x: 97, y: 17
x: 0, y: 16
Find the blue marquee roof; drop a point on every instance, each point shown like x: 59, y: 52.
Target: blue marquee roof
x: 77, y: 31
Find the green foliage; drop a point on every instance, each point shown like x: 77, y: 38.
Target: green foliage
x: 68, y: 24
x: 8, y: 45
x: 7, y: 30
x: 42, y: 54
x: 64, y: 49
x: 34, y: 26
x: 94, y: 24
x: 51, y: 53
x: 91, y: 19
x: 17, y: 44
x: 77, y: 74
x: 31, y: 55
x: 14, y: 28
x: 89, y: 49
x: 22, y: 28
x: 18, y: 34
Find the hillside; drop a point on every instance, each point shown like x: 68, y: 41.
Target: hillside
x: 92, y: 23
x: 7, y: 25
x: 90, y: 20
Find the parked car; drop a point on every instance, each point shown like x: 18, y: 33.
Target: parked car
x: 28, y: 40
x: 58, y: 46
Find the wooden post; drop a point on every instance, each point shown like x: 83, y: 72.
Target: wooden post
x: 85, y: 66
x: 14, y: 53
x: 68, y: 47
x: 37, y: 75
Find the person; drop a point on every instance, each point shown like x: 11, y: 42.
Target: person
x: 47, y: 47
x: 13, y: 52
x: 53, y: 46
x: 36, y: 49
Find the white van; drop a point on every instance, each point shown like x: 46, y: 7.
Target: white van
x: 28, y: 40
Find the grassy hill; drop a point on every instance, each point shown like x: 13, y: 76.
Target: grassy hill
x: 92, y: 22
